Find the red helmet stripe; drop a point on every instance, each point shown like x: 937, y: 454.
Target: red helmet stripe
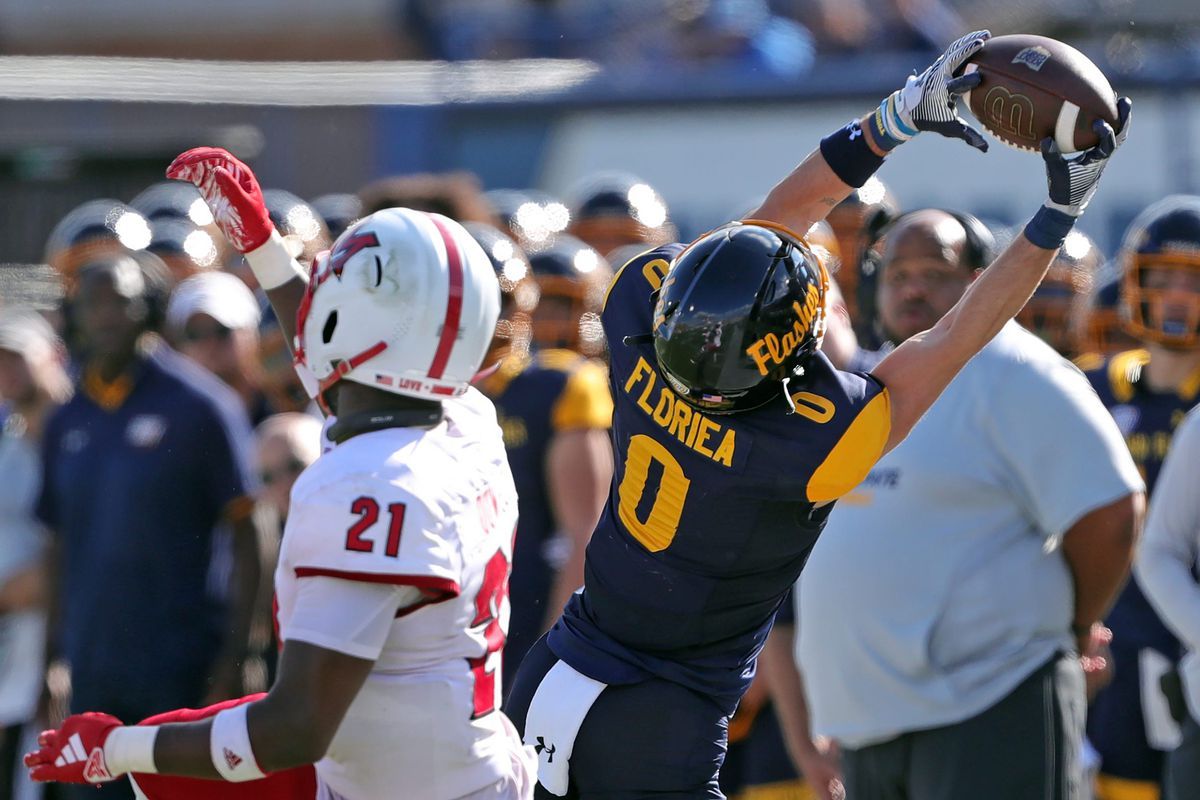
x: 453, y: 303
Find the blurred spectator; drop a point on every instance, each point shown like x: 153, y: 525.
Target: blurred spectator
x: 1148, y: 391
x: 277, y: 370
x: 286, y: 444
x: 33, y: 382
x: 739, y: 35
x: 457, y: 195
x: 339, y: 211
x: 613, y: 210
x: 973, y: 684
x: 855, y: 25
x: 1067, y: 282
x: 533, y: 218
x: 1166, y: 569
x: 143, y: 470
x: 856, y: 222
x: 213, y: 319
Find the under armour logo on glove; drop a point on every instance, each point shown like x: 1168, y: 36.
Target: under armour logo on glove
x: 549, y: 748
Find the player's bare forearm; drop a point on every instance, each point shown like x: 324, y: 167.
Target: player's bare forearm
x: 777, y: 665
x: 919, y: 370
x: 579, y: 469
x: 292, y: 726
x: 807, y: 194
x: 285, y: 301
x: 1098, y: 550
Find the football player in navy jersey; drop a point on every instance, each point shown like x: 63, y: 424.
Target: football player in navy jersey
x: 732, y: 437
x: 1149, y: 390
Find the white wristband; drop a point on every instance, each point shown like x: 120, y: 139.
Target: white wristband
x: 272, y: 264
x: 131, y: 749
x: 229, y: 746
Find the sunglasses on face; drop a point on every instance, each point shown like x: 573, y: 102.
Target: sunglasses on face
x: 201, y: 333
x: 289, y: 469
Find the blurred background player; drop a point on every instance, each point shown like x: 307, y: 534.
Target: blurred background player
x: 213, y: 319
x: 94, y: 229
x: 612, y: 210
x: 1068, y: 282
x: 531, y: 217
x: 571, y: 279
x: 33, y: 383
x: 1097, y: 326
x: 555, y: 410
x: 1148, y: 391
x: 339, y: 210
x: 147, y: 491
x: 457, y: 195
x: 184, y: 247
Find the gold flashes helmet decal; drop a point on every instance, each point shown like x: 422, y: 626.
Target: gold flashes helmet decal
x: 1009, y: 112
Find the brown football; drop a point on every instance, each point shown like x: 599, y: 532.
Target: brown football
x: 1034, y: 87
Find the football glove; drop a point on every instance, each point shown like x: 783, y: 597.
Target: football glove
x: 75, y: 752
x: 231, y: 191
x: 1072, y: 181
x: 928, y: 102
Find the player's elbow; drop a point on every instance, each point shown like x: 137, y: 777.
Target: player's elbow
x: 292, y: 735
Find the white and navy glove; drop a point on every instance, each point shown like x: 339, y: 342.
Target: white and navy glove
x: 1073, y: 181
x: 928, y: 102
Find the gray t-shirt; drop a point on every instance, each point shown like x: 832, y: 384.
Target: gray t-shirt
x: 1169, y: 553
x: 938, y: 584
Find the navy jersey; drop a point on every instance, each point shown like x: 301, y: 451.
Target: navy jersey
x: 537, y: 397
x: 710, y: 517
x: 1147, y: 420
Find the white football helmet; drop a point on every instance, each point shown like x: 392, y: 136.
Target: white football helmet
x: 405, y: 302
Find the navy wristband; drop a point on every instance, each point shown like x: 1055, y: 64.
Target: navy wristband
x: 849, y: 156
x: 1049, y: 227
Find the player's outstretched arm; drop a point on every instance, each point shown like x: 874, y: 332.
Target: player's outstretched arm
x: 236, y: 200
x: 918, y: 370
x: 850, y: 155
x: 291, y: 726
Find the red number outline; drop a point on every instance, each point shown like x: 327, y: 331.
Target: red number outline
x: 492, y: 594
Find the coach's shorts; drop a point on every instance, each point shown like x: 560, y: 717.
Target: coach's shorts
x: 653, y: 737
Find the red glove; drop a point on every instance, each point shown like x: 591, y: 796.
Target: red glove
x: 75, y: 752
x: 231, y: 191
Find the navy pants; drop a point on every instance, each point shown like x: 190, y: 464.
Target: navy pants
x: 649, y: 739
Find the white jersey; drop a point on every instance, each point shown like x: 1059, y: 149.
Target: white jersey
x: 385, y: 512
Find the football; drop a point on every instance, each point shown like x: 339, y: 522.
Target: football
x: 1034, y: 87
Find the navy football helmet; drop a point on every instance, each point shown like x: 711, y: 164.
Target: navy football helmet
x: 572, y: 279
x: 1160, y: 262
x: 739, y: 315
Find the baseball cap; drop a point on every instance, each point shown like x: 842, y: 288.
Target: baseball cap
x: 27, y: 333
x: 220, y: 295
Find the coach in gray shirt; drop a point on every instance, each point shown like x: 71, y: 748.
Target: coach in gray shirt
x: 1166, y: 566
x: 940, y: 611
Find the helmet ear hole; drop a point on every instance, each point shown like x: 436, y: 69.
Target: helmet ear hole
x: 330, y: 326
